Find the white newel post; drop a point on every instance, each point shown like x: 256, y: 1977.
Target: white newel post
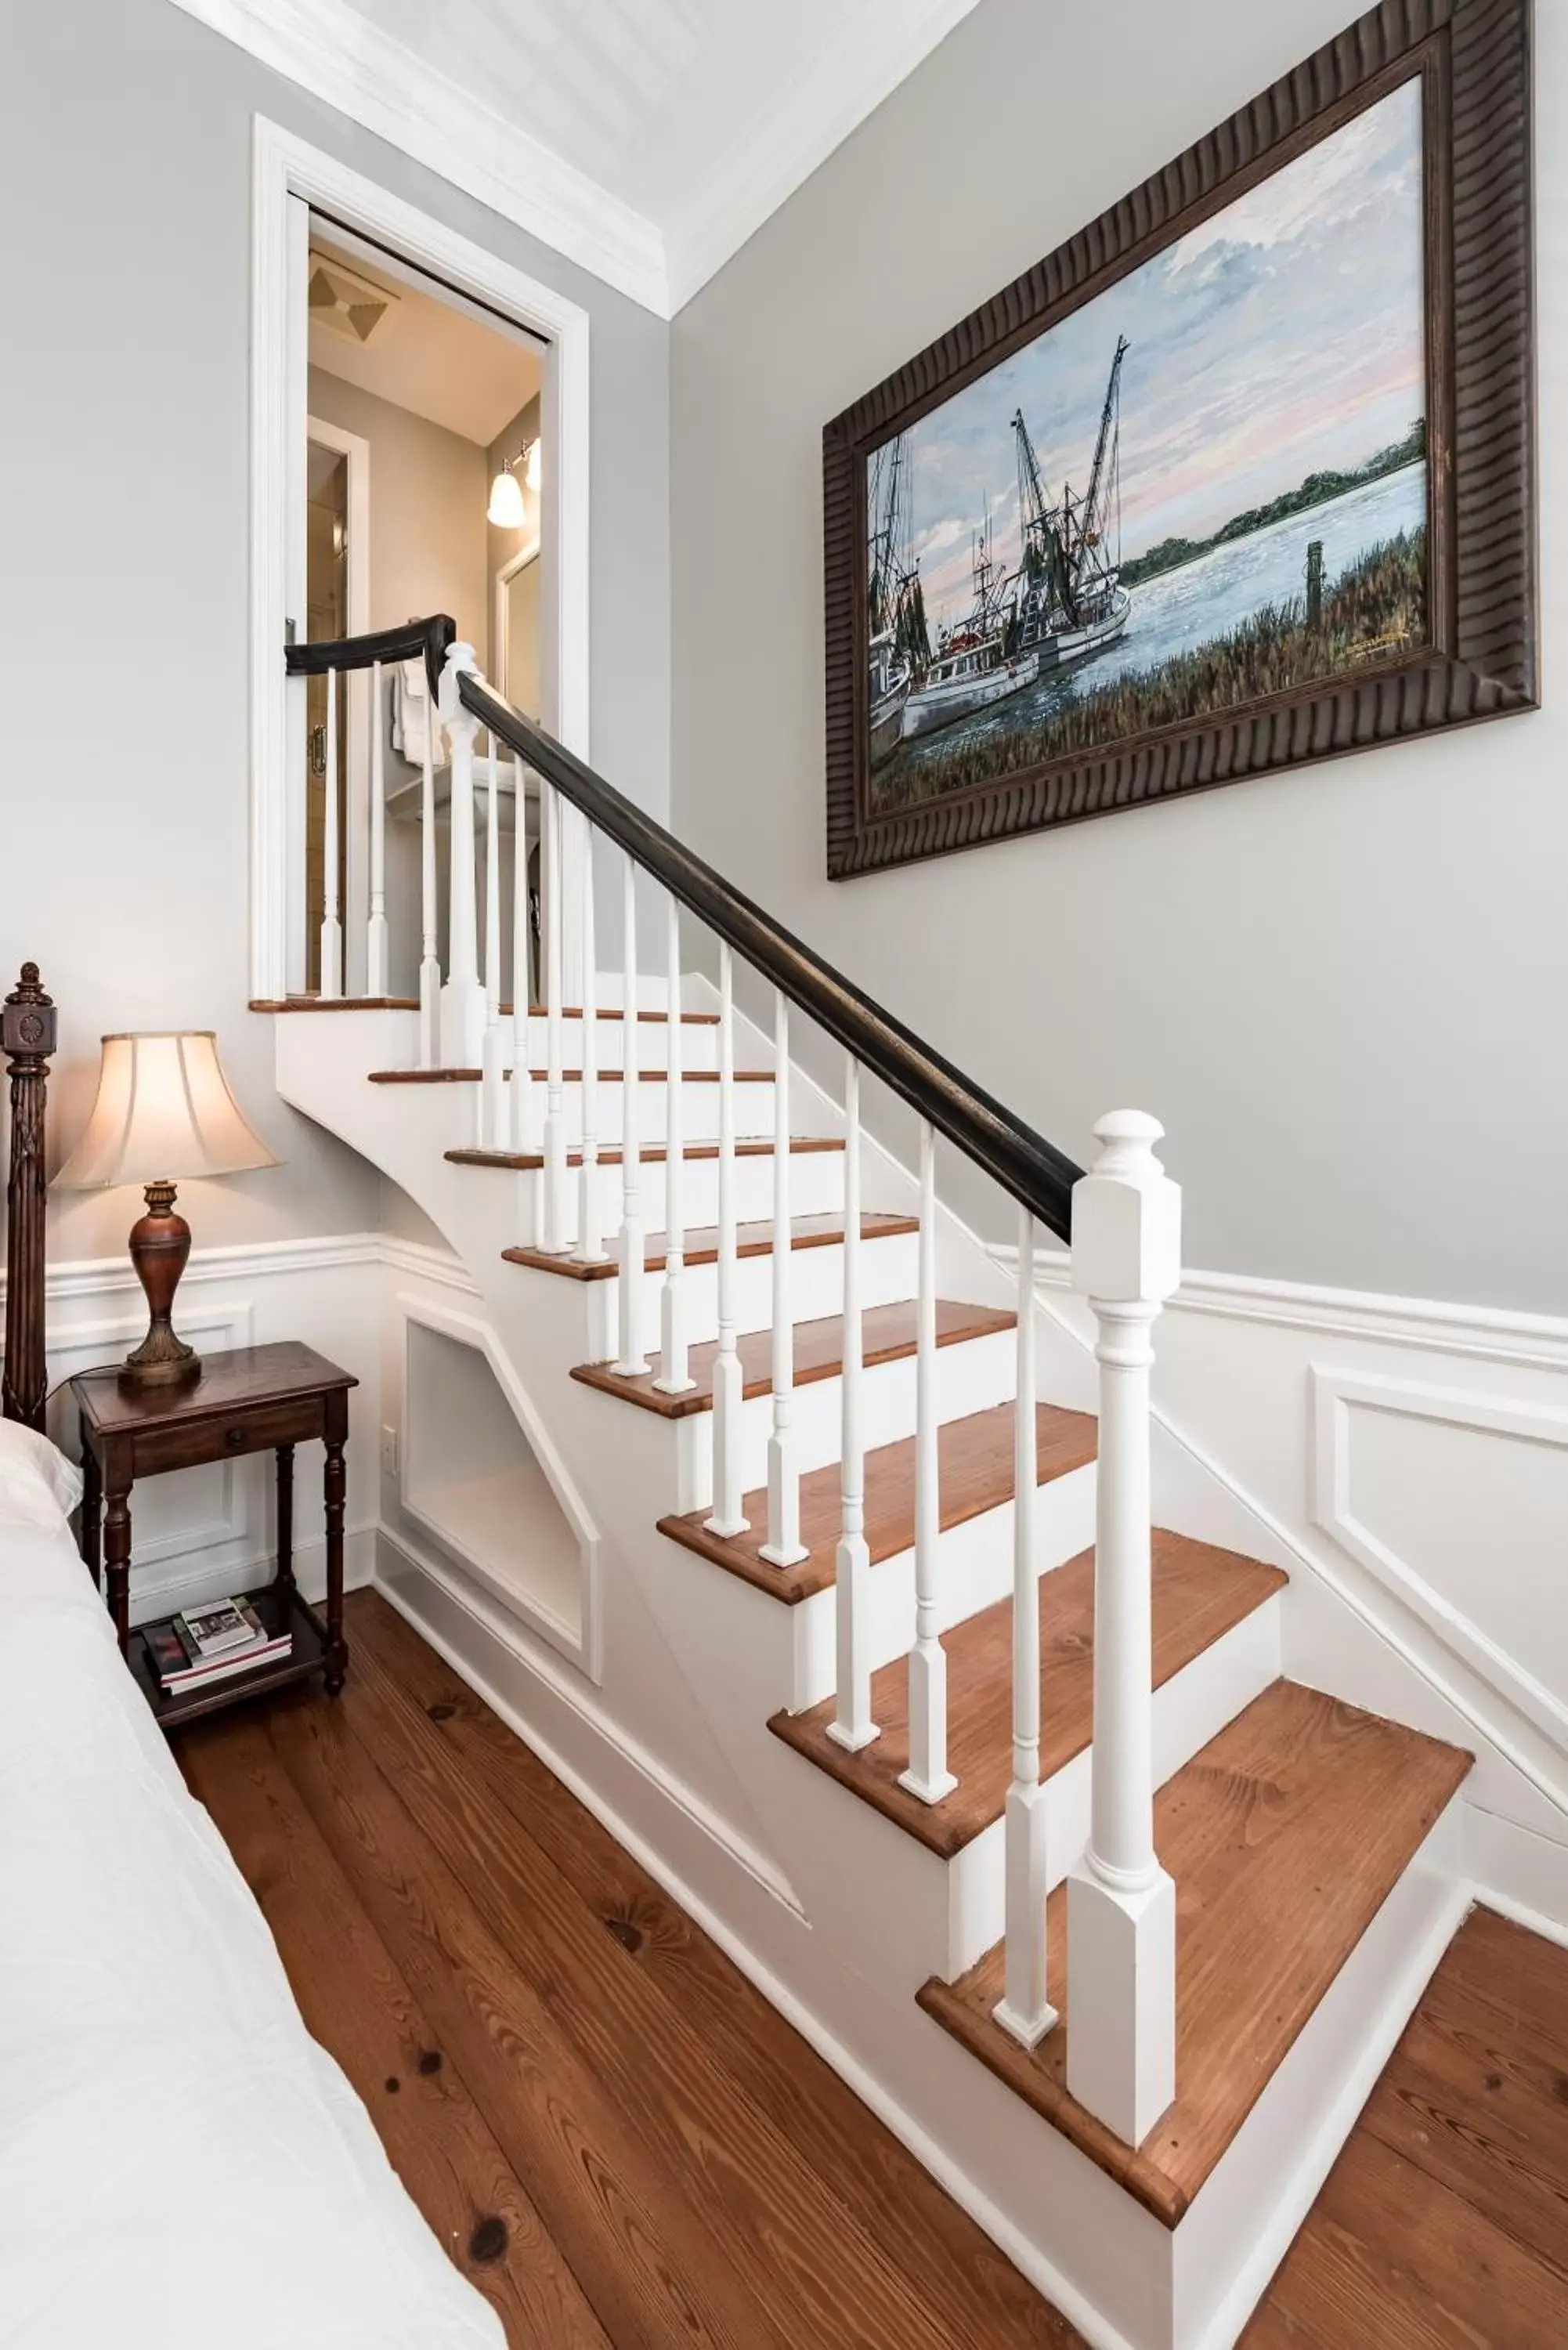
x: 331, y: 984
x: 429, y: 912
x: 1121, y: 1905
x: 493, y: 1127
x: 376, y: 937
x: 463, y: 1005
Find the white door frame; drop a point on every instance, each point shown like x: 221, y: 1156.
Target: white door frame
x: 355, y: 449
x: 526, y: 553
x: 285, y: 166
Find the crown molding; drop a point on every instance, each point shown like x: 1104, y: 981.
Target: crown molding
x: 331, y: 50
x: 879, y: 46
x: 338, y: 54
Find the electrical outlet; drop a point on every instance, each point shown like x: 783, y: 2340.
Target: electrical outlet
x: 389, y: 1452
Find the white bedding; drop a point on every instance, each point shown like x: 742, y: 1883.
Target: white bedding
x: 181, y: 2168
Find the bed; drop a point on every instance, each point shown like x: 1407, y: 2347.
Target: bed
x: 181, y: 2168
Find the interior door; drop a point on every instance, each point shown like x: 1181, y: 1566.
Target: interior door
x: 301, y: 958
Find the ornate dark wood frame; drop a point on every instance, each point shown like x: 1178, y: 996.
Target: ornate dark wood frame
x: 27, y: 1036
x: 1474, y: 57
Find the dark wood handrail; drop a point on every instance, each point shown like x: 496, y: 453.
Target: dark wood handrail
x: 1027, y: 1167
x: 429, y: 638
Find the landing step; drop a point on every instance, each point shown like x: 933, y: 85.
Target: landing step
x: 568, y: 1077
x: 702, y: 1244
x: 1199, y: 1594
x: 333, y: 1003
x: 411, y: 1003
x: 1285, y: 1836
x: 974, y: 1474
x: 527, y: 1160
x: 888, y: 1333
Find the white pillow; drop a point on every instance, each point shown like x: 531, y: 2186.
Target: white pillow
x: 38, y: 1486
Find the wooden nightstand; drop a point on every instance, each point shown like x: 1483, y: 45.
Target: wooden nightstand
x: 249, y: 1399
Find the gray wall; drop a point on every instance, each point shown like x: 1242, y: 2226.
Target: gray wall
x: 1345, y: 990
x: 125, y: 140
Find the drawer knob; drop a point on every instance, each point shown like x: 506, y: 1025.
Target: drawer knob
x: 234, y: 1437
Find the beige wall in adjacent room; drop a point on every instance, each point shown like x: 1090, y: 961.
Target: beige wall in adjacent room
x: 428, y: 492
x: 125, y: 563
x: 1344, y: 989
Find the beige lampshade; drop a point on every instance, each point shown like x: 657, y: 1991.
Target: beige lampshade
x: 163, y: 1113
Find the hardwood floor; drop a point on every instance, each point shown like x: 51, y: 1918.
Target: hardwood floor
x: 1444, y: 2224
x: 626, y: 2148
x: 615, y: 2136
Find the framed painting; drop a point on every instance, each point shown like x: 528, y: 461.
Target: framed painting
x: 1240, y: 476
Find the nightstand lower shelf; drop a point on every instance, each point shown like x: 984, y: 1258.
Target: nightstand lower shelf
x: 308, y: 1656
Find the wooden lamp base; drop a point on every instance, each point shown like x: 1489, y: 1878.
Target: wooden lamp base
x: 159, y: 1245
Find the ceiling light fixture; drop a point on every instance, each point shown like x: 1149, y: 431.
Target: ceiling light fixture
x: 506, y: 509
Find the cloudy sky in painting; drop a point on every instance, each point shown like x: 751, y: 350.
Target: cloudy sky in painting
x: 1282, y: 336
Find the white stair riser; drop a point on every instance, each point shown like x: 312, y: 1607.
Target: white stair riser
x: 969, y: 1377
x: 887, y: 1276
x: 975, y: 1571
x: 816, y: 1188
x: 698, y: 1045
x: 902, y: 1913
x: 700, y: 1110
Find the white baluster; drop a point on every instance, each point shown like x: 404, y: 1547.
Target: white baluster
x: 331, y: 928
x: 729, y: 1387
x: 522, y: 1115
x: 783, y: 1546
x: 632, y: 1248
x: 1121, y: 1905
x: 492, y: 1121
x: 928, y: 1775
x: 430, y: 915
x: 463, y: 1005
x: 1024, y: 2011
x: 557, y: 1238
x: 590, y: 1223
x: 674, y: 1365
x: 375, y: 942
x: 852, y: 1725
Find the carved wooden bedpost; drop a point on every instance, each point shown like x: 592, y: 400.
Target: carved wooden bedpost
x: 27, y: 1037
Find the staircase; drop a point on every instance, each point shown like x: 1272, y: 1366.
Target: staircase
x: 895, y: 1581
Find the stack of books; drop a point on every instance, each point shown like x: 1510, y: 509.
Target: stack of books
x: 210, y: 1644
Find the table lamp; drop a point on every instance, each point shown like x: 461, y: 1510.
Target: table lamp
x: 164, y: 1112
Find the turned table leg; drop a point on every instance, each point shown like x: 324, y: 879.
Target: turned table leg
x: 285, y: 1535
x: 92, y: 1516
x: 116, y: 1560
x: 335, y: 1486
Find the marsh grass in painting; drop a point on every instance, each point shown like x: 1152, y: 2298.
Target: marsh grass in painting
x: 1206, y: 487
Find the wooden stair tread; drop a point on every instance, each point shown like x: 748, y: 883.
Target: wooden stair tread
x: 527, y: 1160
x: 974, y: 1474
x: 568, y: 1077
x: 1285, y: 1835
x: 702, y: 1244
x: 1199, y: 1592
x: 888, y: 1332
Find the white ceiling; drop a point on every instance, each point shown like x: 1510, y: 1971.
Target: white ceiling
x: 646, y: 139
x: 427, y: 355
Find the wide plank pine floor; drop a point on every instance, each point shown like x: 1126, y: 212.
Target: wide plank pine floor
x: 622, y: 2143
x: 618, y: 2140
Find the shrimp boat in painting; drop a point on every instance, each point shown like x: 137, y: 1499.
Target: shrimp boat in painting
x: 900, y: 645
x: 1063, y: 603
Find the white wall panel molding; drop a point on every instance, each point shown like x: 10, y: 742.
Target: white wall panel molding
x: 332, y: 51
x: 1348, y: 1410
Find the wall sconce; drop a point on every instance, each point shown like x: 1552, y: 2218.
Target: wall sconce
x: 506, y: 509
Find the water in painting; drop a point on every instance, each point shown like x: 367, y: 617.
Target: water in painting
x: 1206, y: 486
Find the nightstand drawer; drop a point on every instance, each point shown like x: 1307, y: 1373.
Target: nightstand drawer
x: 189, y: 1443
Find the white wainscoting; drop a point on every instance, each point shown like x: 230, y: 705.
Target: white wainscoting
x: 1408, y: 1461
